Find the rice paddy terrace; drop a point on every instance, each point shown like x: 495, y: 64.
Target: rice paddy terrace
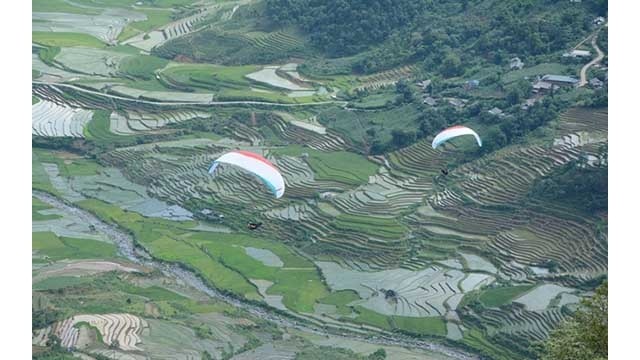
x: 377, y: 247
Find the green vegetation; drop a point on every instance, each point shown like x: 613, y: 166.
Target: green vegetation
x: 219, y: 257
x: 583, y: 187
x: 340, y: 166
x: 230, y: 48
x: 60, y: 282
x: 48, y: 54
x: 39, y: 178
x: 586, y: 335
x: 495, y: 297
x: 64, y: 39
x: 369, y: 317
x: 475, y: 339
x: 433, y: 326
x: 36, y: 206
x: 298, y: 281
x: 340, y: 299
x: 98, y: 131
x: 56, y: 248
x: 61, y: 6
x: 68, y: 164
x: 141, y: 66
x: 377, y: 227
x: 155, y: 18
x: 345, y: 28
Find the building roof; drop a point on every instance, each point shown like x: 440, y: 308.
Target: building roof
x: 577, y: 53
x: 596, y: 82
x: 429, y: 101
x: 542, y: 85
x: 560, y: 78
x: 495, y: 111
x: 456, y: 102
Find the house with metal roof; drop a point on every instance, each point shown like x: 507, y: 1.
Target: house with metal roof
x: 560, y: 80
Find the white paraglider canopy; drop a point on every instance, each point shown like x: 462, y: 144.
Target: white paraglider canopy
x: 454, y: 131
x: 255, y: 164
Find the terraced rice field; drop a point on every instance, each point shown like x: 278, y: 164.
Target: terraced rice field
x: 125, y: 328
x: 132, y: 122
x: 269, y: 76
x: 385, y: 78
x: 278, y: 41
x: 425, y: 293
x: 106, y: 26
x: 53, y: 120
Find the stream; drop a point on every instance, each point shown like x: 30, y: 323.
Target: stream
x: 125, y: 244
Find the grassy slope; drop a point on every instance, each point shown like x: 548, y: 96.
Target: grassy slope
x: 59, y: 248
x: 214, y: 256
x: 340, y: 166
x: 65, y: 39
x: 142, y: 66
x: 36, y: 206
x: 68, y: 166
x: 499, y: 296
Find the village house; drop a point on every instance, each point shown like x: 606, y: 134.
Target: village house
x: 542, y: 87
x: 577, y: 53
x: 596, y: 83
x: 428, y: 100
x: 496, y: 112
x: 528, y: 103
x: 560, y: 80
x: 424, y: 84
x: 471, y: 84
x: 516, y: 64
x: 458, y: 103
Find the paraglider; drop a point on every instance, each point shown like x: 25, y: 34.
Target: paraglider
x: 454, y: 131
x: 253, y: 226
x: 444, y: 172
x: 255, y: 164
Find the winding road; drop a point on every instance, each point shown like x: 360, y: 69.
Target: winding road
x: 597, y: 59
x: 126, y: 248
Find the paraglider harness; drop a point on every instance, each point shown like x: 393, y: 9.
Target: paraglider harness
x: 253, y: 226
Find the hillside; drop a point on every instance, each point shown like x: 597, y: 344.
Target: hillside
x: 381, y: 245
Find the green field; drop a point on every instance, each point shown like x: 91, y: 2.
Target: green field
x: 36, y: 206
x: 141, y: 66
x: 220, y: 258
x: 68, y: 165
x: 341, y: 166
x: 39, y: 178
x: 54, y: 283
x: 433, y: 326
x: 378, y: 227
x: 61, y: 6
x: 98, y: 130
x: 65, y: 39
x: 58, y: 248
x: 370, y: 317
x: 340, y: 299
x: 155, y: 18
x: 212, y: 77
x: 496, y: 297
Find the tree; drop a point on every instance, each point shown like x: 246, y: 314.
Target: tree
x: 451, y: 66
x: 585, y: 335
x: 379, y: 354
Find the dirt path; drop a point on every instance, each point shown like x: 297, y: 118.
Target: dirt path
x: 597, y: 59
x: 126, y: 247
